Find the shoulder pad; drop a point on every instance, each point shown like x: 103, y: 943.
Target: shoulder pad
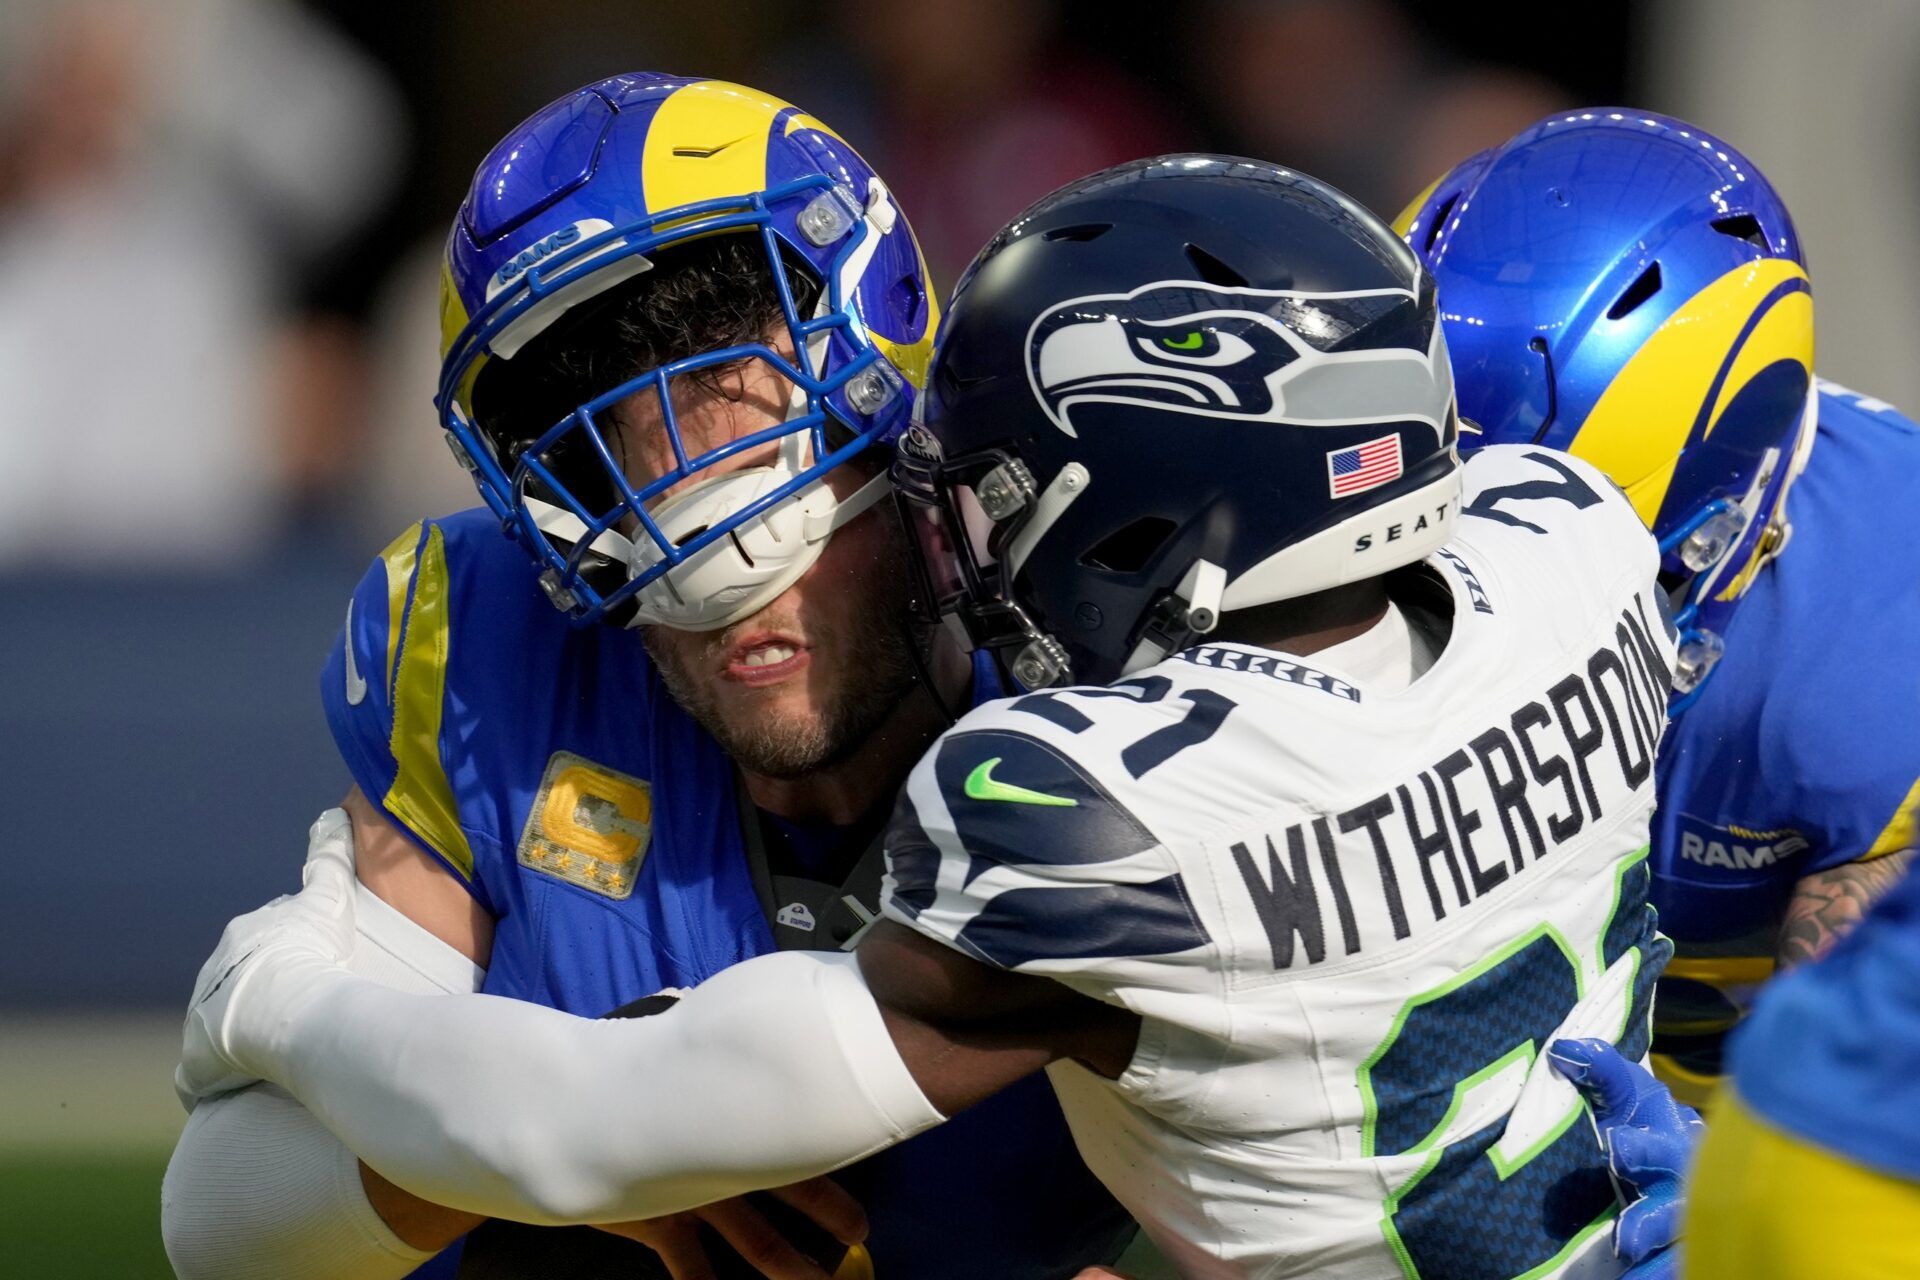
x: 1012, y: 798
x: 1007, y: 848
x: 1539, y: 491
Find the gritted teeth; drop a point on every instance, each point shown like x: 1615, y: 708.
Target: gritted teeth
x: 768, y: 656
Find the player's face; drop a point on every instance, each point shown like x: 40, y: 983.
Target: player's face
x: 710, y: 408
x: 808, y: 678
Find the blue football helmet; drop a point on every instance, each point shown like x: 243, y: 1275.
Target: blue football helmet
x: 1180, y: 386
x: 583, y: 197
x: 1630, y: 289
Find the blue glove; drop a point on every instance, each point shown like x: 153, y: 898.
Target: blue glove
x: 1648, y: 1139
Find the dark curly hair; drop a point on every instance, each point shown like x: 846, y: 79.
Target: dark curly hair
x: 699, y: 296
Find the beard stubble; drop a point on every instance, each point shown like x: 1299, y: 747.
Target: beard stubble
x: 875, y: 669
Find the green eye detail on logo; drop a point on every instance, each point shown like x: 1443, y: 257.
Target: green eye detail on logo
x: 1192, y: 341
x: 981, y: 785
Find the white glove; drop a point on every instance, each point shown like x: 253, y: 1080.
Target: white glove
x: 265, y: 965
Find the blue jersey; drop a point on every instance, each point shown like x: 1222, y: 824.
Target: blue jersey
x: 1830, y: 1051
x: 1801, y: 753
x: 545, y: 767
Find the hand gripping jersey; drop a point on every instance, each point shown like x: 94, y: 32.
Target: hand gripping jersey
x: 1351, y: 921
x: 1800, y: 753
x: 546, y: 768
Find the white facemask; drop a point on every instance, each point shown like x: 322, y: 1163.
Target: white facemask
x: 737, y: 576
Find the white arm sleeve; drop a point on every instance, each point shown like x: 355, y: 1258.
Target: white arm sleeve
x: 775, y: 1070
x: 257, y: 1186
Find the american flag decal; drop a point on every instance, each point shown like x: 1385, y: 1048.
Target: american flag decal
x: 1364, y: 466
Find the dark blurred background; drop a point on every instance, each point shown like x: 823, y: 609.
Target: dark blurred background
x: 219, y: 228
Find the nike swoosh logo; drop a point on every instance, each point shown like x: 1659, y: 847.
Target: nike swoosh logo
x: 982, y: 786
x: 356, y: 687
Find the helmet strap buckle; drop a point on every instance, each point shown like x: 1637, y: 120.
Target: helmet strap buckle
x: 1189, y: 610
x: 1000, y: 627
x: 1043, y: 662
x: 1006, y: 490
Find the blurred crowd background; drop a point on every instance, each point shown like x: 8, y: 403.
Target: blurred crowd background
x: 219, y: 229
x: 219, y: 219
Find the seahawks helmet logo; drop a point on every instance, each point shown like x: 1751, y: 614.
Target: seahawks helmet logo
x: 1256, y: 355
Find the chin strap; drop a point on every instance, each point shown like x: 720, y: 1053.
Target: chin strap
x: 1066, y: 486
x: 820, y: 526
x: 565, y: 527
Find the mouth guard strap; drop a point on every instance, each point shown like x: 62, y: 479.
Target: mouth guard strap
x: 819, y: 526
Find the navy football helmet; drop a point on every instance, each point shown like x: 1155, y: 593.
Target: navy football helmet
x: 1630, y: 288
x: 1180, y: 386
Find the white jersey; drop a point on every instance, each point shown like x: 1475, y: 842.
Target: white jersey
x: 1350, y: 919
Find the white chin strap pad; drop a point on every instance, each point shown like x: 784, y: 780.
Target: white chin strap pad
x: 736, y: 576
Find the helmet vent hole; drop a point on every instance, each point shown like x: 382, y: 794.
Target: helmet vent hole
x: 1742, y: 226
x: 1644, y: 287
x: 1083, y: 231
x: 734, y: 537
x: 911, y: 298
x: 1439, y: 221
x: 690, y: 535
x: 1129, y: 548
x: 1214, y: 271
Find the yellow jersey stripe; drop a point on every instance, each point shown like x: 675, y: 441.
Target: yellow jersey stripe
x: 421, y: 795
x: 1691, y: 1087
x: 1899, y: 833
x: 398, y: 559
x: 1764, y: 1204
x: 1721, y: 972
x: 1750, y: 833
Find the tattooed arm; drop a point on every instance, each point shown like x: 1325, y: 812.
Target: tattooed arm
x: 1828, y: 903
